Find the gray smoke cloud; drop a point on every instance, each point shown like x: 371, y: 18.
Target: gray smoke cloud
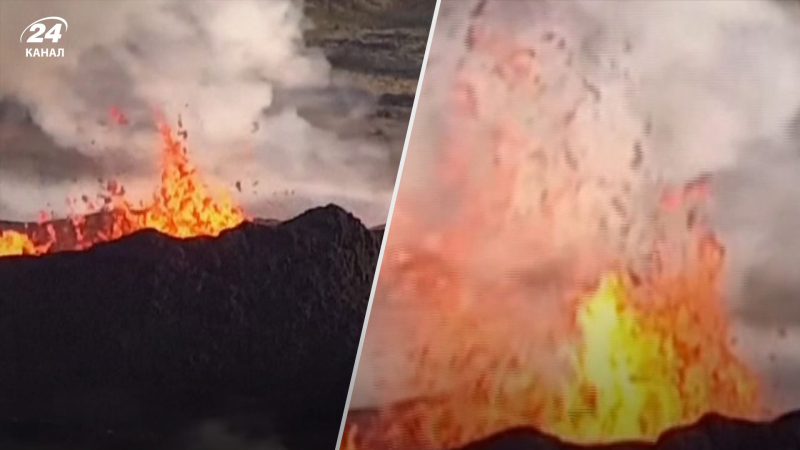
x: 719, y: 84
x: 237, y: 73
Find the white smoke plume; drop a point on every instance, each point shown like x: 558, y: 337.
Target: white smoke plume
x: 235, y: 72
x: 717, y: 86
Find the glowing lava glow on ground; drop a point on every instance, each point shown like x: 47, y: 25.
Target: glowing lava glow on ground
x: 586, y: 304
x: 14, y: 243
x: 182, y: 207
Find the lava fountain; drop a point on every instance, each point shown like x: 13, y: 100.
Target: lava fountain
x: 182, y: 206
x: 570, y: 289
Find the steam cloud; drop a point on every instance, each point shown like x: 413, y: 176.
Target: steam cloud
x: 720, y: 83
x: 237, y: 73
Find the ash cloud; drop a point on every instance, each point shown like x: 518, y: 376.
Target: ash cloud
x: 720, y: 83
x: 27, y: 152
x: 5, y: 210
x: 220, y: 67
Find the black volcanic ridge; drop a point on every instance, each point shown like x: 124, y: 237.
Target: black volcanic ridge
x: 131, y: 342
x: 712, y: 432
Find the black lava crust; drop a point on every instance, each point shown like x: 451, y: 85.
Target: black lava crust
x: 710, y: 433
x: 132, y: 340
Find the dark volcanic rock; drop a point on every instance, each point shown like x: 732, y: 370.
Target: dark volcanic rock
x: 378, y: 232
x: 710, y: 433
x: 396, y: 100
x: 150, y: 333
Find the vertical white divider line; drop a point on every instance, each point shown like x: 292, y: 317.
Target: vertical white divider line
x: 388, y: 221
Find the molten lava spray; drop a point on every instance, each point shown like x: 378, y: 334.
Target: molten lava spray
x: 14, y: 243
x: 563, y: 284
x: 182, y: 206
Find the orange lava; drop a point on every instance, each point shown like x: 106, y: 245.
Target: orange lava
x: 14, y: 243
x: 545, y: 308
x: 182, y: 206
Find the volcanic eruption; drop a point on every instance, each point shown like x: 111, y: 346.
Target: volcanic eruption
x: 181, y: 206
x: 159, y: 316
x: 566, y: 287
x: 134, y: 324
